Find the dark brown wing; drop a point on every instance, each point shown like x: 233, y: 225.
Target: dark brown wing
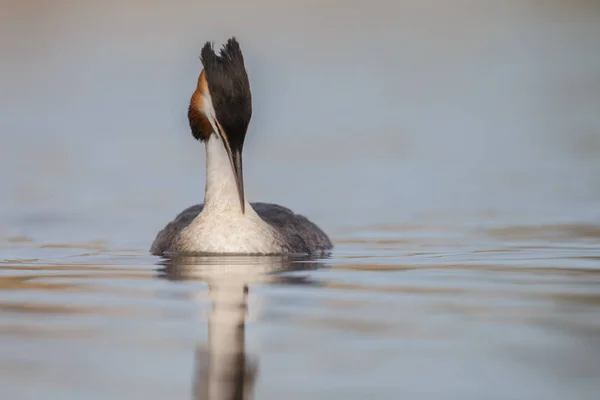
x: 165, y: 237
x: 300, y: 234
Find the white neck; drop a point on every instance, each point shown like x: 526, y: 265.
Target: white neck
x: 221, y: 227
x: 221, y: 190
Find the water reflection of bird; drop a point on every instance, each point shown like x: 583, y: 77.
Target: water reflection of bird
x: 224, y: 371
x: 219, y: 114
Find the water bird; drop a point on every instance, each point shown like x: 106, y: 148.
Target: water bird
x: 226, y: 223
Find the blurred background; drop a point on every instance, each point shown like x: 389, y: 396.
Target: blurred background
x: 378, y: 120
x: 389, y: 110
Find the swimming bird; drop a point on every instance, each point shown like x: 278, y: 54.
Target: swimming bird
x: 226, y: 223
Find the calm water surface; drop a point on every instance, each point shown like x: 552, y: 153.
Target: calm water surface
x: 396, y: 312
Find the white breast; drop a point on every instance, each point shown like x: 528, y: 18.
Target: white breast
x: 221, y: 227
x: 230, y: 232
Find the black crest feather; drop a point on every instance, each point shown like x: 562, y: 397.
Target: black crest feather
x: 229, y: 88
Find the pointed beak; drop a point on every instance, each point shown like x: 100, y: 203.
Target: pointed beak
x: 234, y: 150
x: 235, y: 156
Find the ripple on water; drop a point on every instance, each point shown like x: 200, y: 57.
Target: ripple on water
x: 390, y: 307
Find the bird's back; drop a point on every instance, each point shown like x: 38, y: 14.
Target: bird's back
x: 299, y: 234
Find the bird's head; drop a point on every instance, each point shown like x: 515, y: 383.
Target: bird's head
x: 222, y: 103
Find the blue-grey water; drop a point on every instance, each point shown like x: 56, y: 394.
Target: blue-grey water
x: 451, y: 151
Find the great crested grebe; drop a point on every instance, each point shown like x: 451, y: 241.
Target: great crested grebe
x: 226, y: 223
